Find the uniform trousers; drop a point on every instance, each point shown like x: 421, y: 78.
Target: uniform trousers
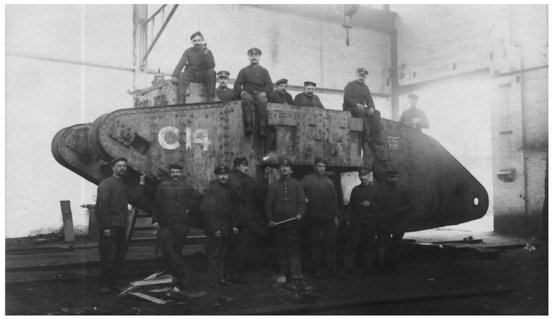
x: 112, y: 255
x: 289, y: 252
x: 326, y: 228
x: 207, y: 77
x: 171, y: 239
x: 365, y: 231
x: 217, y: 248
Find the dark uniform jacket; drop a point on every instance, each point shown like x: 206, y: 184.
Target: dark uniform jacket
x: 360, y: 193
x: 112, y: 202
x: 194, y: 60
x: 218, y: 209
x: 173, y: 202
x: 281, y: 98
x: 414, y: 113
x: 321, y: 195
x: 241, y: 187
x: 356, y: 92
x: 253, y: 78
x: 285, y: 199
x: 226, y: 94
x: 303, y: 99
x: 397, y: 206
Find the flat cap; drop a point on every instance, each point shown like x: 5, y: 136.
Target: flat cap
x: 306, y: 83
x: 285, y: 81
x: 175, y: 166
x: 320, y: 160
x: 195, y: 34
x: 221, y: 169
x: 365, y: 170
x: 254, y: 51
x: 240, y: 160
x: 413, y: 96
x: 284, y: 161
x: 115, y: 160
x: 362, y: 71
x: 223, y: 74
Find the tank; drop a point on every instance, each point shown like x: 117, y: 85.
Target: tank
x: 201, y: 136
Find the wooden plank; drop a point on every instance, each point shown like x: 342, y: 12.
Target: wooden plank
x: 149, y: 298
x: 68, y: 231
x: 160, y: 281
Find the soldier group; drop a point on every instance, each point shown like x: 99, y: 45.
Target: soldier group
x: 293, y: 209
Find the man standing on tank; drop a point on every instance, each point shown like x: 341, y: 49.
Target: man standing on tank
x: 241, y: 186
x: 173, y: 201
x: 254, y: 85
x: 321, y: 217
x: 280, y: 95
x: 284, y: 209
x: 112, y: 199
x: 308, y: 97
x: 198, y: 64
x: 414, y: 117
x: 224, y: 93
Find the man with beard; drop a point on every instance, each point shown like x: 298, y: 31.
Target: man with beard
x: 280, y: 95
x: 198, y: 64
x: 174, y: 200
x: 225, y: 93
x: 220, y: 224
x: 112, y: 200
x: 284, y: 209
x: 241, y: 186
x: 308, y: 96
x: 254, y: 84
x: 365, y: 203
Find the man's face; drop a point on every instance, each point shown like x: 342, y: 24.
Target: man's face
x: 320, y: 168
x: 392, y: 180
x: 282, y: 87
x: 120, y: 168
x: 223, y: 81
x: 361, y: 77
x: 175, y: 174
x: 366, y: 178
x: 413, y: 102
x: 254, y: 58
x: 309, y: 90
x: 198, y: 42
x: 285, y: 171
x: 222, y: 178
x: 242, y: 168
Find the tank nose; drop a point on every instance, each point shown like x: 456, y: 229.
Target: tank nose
x: 479, y: 203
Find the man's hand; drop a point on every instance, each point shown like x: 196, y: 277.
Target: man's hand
x: 205, y: 48
x: 370, y: 110
x: 415, y: 122
x: 365, y: 203
x: 217, y: 233
x: 155, y: 226
x: 272, y: 223
x: 235, y: 230
x: 298, y: 217
x: 142, y: 179
x: 106, y: 232
x: 174, y: 80
x: 360, y: 106
x: 336, y: 221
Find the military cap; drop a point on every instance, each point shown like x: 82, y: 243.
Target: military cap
x: 364, y: 170
x: 223, y: 74
x: 197, y: 33
x: 221, y: 169
x: 306, y: 83
x: 175, y: 166
x: 240, y: 160
x: 254, y: 51
x: 115, y: 160
x: 285, y: 161
x: 285, y: 81
x: 362, y: 71
x: 413, y: 96
x: 320, y: 160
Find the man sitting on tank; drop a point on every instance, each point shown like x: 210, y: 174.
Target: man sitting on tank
x: 198, y: 64
x: 224, y: 93
x: 280, y: 95
x: 254, y: 84
x: 308, y: 96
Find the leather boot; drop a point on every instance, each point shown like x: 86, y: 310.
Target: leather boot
x: 381, y: 257
x: 247, y: 115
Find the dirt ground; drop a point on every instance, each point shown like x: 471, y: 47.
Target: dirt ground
x: 434, y: 280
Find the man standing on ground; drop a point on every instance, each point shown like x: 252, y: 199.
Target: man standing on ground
x: 254, y: 85
x: 198, y: 64
x: 220, y: 224
x: 392, y: 220
x: 111, y: 212
x: 321, y: 217
x: 280, y: 95
x: 308, y: 96
x: 365, y: 203
x: 284, y: 209
x: 174, y: 200
x: 414, y: 117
